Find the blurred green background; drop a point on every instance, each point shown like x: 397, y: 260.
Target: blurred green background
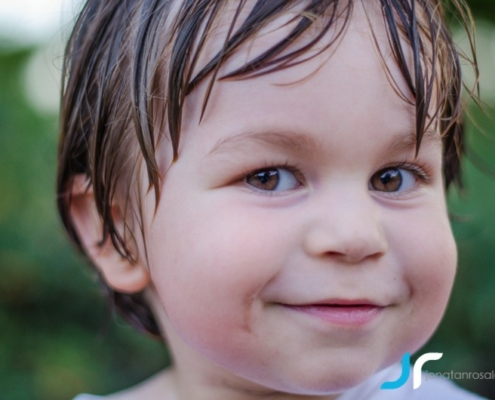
x: 56, y: 339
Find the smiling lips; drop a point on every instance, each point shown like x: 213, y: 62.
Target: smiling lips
x: 352, y: 313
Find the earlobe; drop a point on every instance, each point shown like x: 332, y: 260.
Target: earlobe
x: 119, y: 273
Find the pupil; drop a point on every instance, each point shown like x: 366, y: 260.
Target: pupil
x: 265, y: 180
x: 391, y: 176
x: 265, y: 176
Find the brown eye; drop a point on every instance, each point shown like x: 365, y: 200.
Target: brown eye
x: 272, y: 179
x: 392, y: 180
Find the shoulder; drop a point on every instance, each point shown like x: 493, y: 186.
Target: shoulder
x: 150, y: 389
x: 430, y: 389
x: 441, y: 388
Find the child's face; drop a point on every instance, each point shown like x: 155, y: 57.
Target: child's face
x: 340, y: 213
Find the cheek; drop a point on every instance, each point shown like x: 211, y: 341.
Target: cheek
x: 429, y: 276
x: 208, y: 267
x: 436, y: 261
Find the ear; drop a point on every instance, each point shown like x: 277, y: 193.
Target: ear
x: 117, y: 271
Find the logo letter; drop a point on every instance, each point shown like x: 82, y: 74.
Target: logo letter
x: 419, y: 364
x: 406, y: 370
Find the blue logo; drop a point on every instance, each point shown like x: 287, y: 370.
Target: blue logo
x: 406, y: 370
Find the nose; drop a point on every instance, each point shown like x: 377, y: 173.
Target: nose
x: 347, y: 227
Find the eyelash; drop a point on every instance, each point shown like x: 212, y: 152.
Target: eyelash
x: 421, y: 171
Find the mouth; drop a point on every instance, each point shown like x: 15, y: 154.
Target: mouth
x: 344, y: 312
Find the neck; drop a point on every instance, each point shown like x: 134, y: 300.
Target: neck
x: 193, y: 383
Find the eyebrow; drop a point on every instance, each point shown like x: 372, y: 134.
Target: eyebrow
x: 408, y: 141
x: 300, y: 143
x: 284, y: 140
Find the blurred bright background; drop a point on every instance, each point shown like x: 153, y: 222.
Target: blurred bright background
x: 56, y: 339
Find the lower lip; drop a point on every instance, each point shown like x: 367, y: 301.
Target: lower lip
x: 353, y: 316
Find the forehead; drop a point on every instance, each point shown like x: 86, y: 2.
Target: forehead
x: 325, y: 105
x: 352, y: 50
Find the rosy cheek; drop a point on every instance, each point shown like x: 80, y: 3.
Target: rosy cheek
x: 207, y: 286
x: 430, y: 281
x: 435, y: 275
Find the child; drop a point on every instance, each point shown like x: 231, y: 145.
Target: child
x: 262, y: 183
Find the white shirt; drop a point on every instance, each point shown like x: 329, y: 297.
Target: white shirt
x: 430, y: 389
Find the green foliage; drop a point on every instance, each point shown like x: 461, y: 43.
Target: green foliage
x: 483, y: 9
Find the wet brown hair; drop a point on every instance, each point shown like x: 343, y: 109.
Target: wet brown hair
x: 129, y: 66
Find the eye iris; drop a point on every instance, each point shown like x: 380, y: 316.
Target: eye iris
x: 267, y: 179
x: 389, y: 180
